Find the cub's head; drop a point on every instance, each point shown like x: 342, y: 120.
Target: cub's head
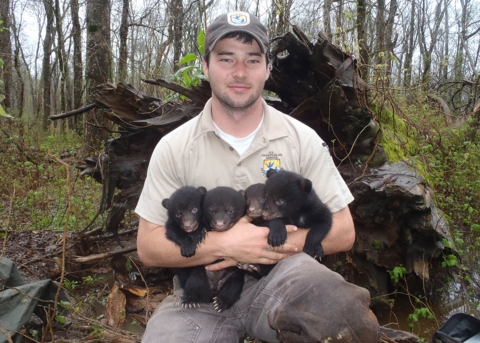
x: 185, y: 207
x: 223, y: 207
x: 255, y: 199
x: 285, y: 193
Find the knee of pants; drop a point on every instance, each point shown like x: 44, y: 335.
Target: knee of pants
x: 319, y: 303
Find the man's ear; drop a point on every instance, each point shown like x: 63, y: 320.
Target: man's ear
x: 269, y: 67
x: 205, y: 68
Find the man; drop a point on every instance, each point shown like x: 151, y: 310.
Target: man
x: 233, y: 142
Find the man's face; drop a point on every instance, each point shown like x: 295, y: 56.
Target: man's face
x: 237, y: 73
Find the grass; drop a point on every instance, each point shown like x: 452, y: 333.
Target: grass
x: 33, y: 185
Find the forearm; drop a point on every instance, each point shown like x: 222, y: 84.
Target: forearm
x: 154, y: 249
x: 340, y: 238
x: 244, y: 243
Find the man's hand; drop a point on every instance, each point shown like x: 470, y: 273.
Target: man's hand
x: 247, y: 243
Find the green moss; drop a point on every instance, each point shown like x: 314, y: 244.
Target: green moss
x: 399, y: 140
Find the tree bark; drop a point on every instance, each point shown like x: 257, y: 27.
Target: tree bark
x: 61, y: 55
x: 98, y: 68
x: 362, y: 39
x: 46, y: 67
x: 123, y: 52
x: 176, y: 17
x: 6, y: 54
x: 77, y: 64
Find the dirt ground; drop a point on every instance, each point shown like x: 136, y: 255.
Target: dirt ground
x: 111, y: 297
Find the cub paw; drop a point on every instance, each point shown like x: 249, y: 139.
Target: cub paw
x: 219, y: 304
x: 276, y: 239
x: 190, y: 303
x: 188, y: 249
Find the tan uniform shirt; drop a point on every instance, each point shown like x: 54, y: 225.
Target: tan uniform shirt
x: 194, y: 155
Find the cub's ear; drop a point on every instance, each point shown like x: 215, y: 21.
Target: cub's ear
x: 306, y: 185
x: 165, y: 203
x: 202, y: 190
x: 271, y: 172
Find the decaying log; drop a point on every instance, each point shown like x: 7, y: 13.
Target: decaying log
x: 395, y: 218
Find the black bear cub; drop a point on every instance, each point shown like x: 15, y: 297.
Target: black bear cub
x: 255, y: 200
x: 222, y: 208
x: 291, y: 199
x: 184, y: 224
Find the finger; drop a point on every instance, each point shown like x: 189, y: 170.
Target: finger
x: 245, y: 219
x: 221, y: 265
x: 286, y: 248
x: 291, y: 228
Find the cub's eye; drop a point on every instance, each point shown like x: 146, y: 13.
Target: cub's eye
x: 212, y: 211
x: 279, y: 202
x: 194, y: 210
x: 178, y: 214
x: 230, y: 211
x: 262, y: 201
x: 247, y: 202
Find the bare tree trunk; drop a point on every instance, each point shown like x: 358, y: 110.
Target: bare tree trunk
x: 390, y: 41
x: 21, y: 82
x: 63, y: 67
x: 77, y: 65
x: 46, y: 67
x: 427, y: 50
x: 380, y: 31
x: 362, y: 39
x: 98, y: 68
x: 6, y: 54
x: 407, y: 74
x: 123, y: 52
x: 327, y: 7
x: 176, y: 16
x: 18, y: 58
x: 341, y: 33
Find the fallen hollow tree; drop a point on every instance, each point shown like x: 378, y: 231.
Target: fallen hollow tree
x: 395, y: 218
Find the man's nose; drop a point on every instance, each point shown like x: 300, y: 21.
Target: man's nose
x: 240, y: 70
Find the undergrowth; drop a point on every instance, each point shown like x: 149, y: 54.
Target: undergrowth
x: 33, y: 184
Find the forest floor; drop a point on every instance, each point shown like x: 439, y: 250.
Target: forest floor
x: 92, y: 287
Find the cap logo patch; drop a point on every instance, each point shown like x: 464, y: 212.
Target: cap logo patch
x: 238, y: 18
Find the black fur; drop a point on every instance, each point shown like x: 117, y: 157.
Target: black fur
x: 184, y: 224
x: 222, y: 208
x: 255, y: 200
x: 290, y: 199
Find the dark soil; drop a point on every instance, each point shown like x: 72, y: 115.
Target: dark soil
x: 38, y: 256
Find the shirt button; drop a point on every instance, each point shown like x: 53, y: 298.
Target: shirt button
x: 231, y: 149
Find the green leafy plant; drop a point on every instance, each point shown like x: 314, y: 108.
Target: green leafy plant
x: 419, y: 313
x: 397, y: 273
x: 449, y: 261
x: 192, y: 71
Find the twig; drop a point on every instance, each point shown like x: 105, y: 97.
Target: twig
x: 95, y: 257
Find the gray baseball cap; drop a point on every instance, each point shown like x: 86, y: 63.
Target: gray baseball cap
x: 235, y: 22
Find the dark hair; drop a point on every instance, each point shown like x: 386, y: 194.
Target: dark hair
x: 239, y: 36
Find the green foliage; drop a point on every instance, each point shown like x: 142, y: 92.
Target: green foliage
x: 449, y: 261
x: 33, y: 184
x: 397, y: 273
x: 398, y: 138
x: 419, y: 313
x: 192, y: 73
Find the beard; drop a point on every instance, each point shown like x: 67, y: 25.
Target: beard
x: 233, y: 105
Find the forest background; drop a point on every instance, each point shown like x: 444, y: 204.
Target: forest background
x: 419, y: 59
